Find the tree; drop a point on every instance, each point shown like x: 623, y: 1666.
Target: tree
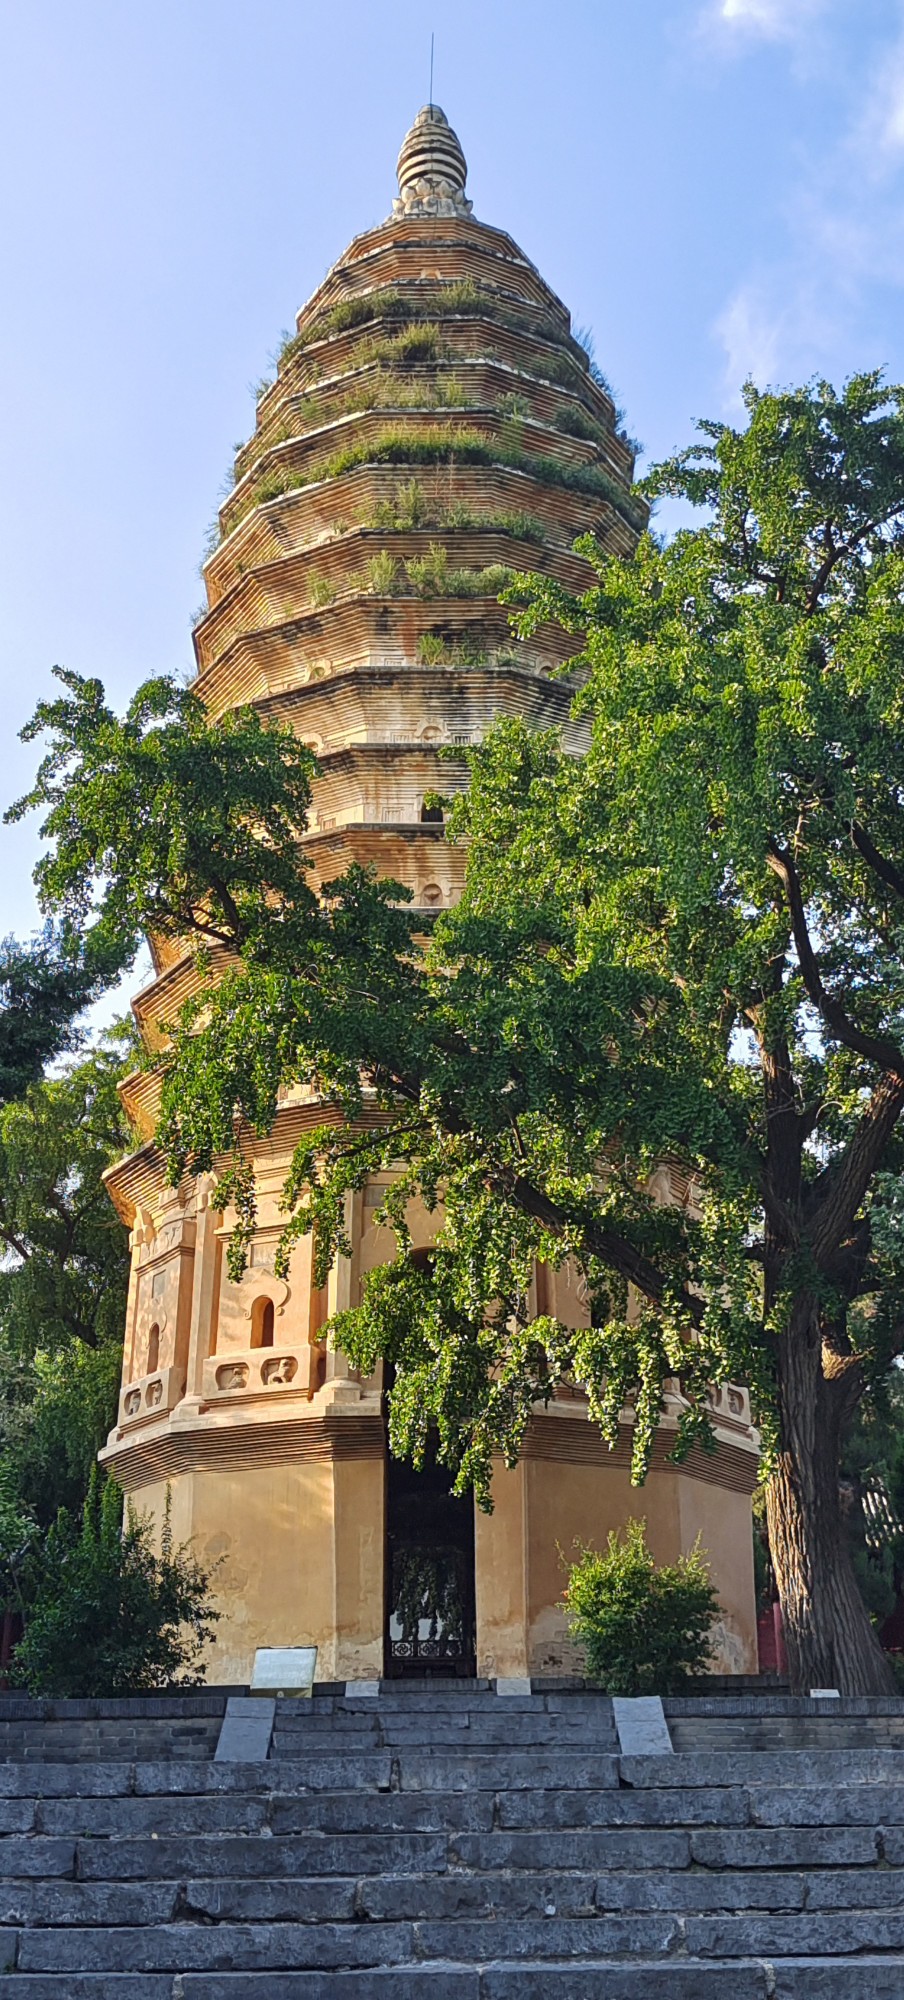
x: 65, y: 1272
x: 43, y: 988
x: 108, y: 1616
x: 683, y: 947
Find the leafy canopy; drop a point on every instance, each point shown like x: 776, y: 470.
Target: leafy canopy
x: 683, y: 946
x: 64, y: 1273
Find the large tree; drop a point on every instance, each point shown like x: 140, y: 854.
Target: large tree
x: 680, y: 949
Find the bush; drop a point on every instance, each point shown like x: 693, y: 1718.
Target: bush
x: 643, y: 1629
x: 107, y: 1615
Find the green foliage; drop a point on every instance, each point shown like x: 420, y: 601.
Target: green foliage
x: 446, y: 444
x: 65, y: 1275
x: 432, y: 575
x: 643, y: 1628
x: 573, y: 421
x: 44, y: 987
x: 56, y: 1412
x: 165, y: 822
x: 379, y: 574
x: 440, y: 649
x: 108, y: 1615
x: 412, y: 508
x: 683, y: 946
x: 321, y: 589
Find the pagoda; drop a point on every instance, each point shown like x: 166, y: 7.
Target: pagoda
x: 433, y: 422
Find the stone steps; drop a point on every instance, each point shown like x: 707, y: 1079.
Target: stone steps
x: 387, y: 1853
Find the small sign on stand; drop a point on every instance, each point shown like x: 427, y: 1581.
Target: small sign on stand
x: 284, y: 1670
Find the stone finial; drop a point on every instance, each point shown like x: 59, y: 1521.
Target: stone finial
x: 432, y: 169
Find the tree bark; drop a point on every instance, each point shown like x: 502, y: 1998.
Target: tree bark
x: 828, y: 1632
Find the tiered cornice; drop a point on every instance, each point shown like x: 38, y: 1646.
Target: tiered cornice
x: 433, y: 425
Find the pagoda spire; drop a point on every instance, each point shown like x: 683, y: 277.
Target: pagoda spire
x: 432, y: 169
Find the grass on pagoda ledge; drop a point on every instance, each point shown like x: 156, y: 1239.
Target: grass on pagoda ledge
x: 446, y: 445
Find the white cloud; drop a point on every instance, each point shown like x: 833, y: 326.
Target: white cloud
x: 879, y: 134
x: 839, y: 235
x: 773, y: 20
x: 774, y: 332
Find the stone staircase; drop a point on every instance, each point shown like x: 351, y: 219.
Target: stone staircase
x: 449, y: 1843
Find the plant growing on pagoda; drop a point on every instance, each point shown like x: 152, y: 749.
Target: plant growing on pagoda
x: 679, y: 952
x: 643, y: 1627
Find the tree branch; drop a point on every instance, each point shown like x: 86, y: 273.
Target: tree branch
x: 606, y: 1244
x: 879, y: 863
x: 846, y: 1182
x: 877, y: 1049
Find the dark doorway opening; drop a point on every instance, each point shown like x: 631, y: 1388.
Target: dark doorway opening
x: 429, y: 1573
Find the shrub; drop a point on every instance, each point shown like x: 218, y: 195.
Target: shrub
x: 643, y: 1628
x: 379, y: 574
x: 108, y: 1616
x: 321, y: 589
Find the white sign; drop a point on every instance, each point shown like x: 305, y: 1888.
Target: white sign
x: 284, y: 1670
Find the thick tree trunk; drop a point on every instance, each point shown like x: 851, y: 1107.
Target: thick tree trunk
x: 828, y: 1632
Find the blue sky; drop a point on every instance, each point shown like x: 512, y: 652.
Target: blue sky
x: 714, y: 186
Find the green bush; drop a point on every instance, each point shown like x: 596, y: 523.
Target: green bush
x: 105, y: 1614
x: 643, y: 1628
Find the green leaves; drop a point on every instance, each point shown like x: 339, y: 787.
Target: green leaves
x: 109, y: 1616
x: 166, y: 823
x: 644, y: 1628
x: 658, y: 1042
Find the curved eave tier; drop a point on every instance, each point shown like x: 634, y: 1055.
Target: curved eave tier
x: 366, y: 497
x: 319, y: 575
x: 135, y: 1181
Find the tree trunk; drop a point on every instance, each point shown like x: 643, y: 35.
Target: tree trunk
x: 828, y: 1631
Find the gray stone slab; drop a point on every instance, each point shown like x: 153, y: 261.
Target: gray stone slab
x: 51, y: 1903
x: 67, y: 1781
x: 893, y: 1845
x: 641, y: 1726
x: 844, y: 1979
x: 214, y: 1948
x: 245, y: 1731
x: 419, y: 1771
x: 241, y: 1859
x: 362, y: 1690
x: 314, y: 1900
x: 856, y: 1889
x: 376, y: 1983
x: 517, y: 1685
x: 826, y: 1936
x: 784, y: 1847
x: 132, y: 1818
x: 24, y: 1856
x: 760, y: 1767
x: 17, y: 1815
x: 827, y: 1805
x: 623, y: 1808
x: 384, y: 1812
x: 652, y: 1934
x: 591, y: 1849
x: 657, y: 1981
x: 88, y: 1986
x: 696, y: 1890
x: 439, y: 1898
x: 318, y: 1772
